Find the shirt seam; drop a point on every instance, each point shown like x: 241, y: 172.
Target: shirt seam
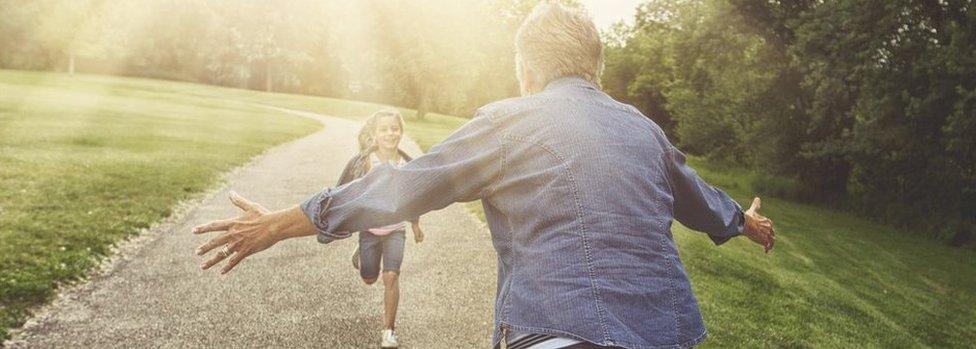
x: 601, y: 312
x: 672, y: 266
x: 503, y: 159
x: 667, y: 174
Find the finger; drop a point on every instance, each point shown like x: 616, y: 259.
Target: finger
x: 219, y: 225
x: 213, y: 243
x: 756, y: 204
x: 238, y: 257
x: 243, y: 203
x: 213, y: 260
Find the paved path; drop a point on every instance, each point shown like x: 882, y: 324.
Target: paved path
x: 297, y: 294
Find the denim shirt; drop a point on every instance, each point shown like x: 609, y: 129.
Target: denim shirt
x: 580, y: 192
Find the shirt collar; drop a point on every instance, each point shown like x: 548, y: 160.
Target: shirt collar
x: 569, y: 81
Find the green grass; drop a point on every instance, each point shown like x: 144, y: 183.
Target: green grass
x: 834, y: 280
x: 88, y: 161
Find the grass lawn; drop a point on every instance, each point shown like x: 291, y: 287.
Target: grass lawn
x: 834, y: 280
x: 88, y: 160
x: 425, y: 132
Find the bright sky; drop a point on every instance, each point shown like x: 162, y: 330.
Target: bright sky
x: 608, y: 12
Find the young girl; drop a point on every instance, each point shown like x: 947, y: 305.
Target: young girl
x: 379, y: 142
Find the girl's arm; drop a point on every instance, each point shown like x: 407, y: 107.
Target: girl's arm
x: 348, y: 171
x: 418, y: 235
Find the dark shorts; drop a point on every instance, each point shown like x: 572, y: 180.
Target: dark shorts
x: 373, y: 249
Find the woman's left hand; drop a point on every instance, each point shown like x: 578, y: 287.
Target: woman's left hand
x: 418, y: 235
x: 758, y: 228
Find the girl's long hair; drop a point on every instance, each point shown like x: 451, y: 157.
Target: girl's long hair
x: 367, y: 137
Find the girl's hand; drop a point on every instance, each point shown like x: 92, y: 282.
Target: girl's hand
x: 418, y: 235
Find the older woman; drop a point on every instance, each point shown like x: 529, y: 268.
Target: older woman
x: 579, y: 191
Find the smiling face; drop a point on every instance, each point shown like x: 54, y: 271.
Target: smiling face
x: 388, y: 132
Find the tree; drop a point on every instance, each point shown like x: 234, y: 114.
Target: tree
x: 867, y: 104
x: 896, y: 80
x: 64, y: 28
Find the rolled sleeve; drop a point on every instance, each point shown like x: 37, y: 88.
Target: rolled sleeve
x: 314, y: 207
x: 461, y: 168
x: 700, y: 206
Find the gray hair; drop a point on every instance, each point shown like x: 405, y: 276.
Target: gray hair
x: 556, y: 41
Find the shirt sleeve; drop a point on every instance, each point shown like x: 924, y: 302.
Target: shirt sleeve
x: 461, y: 168
x: 408, y: 158
x: 700, y: 206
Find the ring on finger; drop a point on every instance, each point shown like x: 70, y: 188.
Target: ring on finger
x: 224, y: 252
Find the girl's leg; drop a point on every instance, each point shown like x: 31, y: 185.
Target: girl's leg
x: 370, y: 252
x: 391, y: 299
x: 392, y: 258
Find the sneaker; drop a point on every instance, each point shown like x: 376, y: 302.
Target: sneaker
x: 355, y: 258
x: 389, y: 339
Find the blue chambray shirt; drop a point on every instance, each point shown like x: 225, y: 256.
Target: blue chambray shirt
x: 580, y: 192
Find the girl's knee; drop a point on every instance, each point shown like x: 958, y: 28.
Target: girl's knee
x: 369, y: 281
x: 390, y: 277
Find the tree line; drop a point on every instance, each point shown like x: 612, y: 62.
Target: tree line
x: 432, y: 55
x: 868, y: 105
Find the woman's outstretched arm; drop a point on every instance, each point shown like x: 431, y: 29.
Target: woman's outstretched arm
x: 704, y: 208
x: 459, y: 169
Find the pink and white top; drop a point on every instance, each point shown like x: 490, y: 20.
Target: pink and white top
x: 373, y: 162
